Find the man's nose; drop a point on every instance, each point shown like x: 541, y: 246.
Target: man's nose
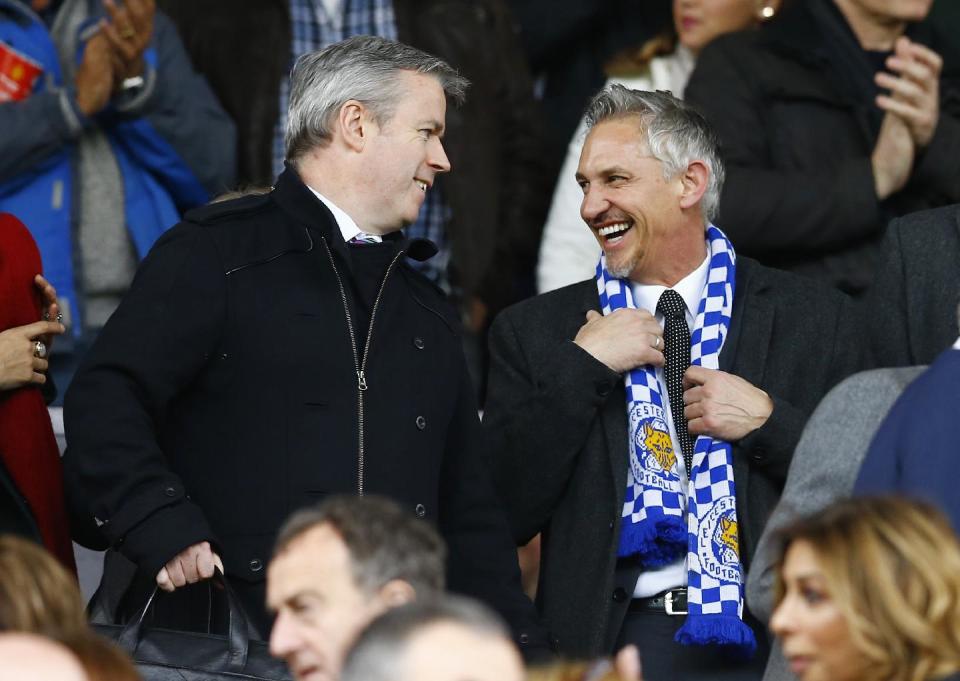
x: 437, y: 156
x: 594, y: 204
x: 284, y: 638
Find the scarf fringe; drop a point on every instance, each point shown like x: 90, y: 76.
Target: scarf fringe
x: 728, y: 631
x: 655, y: 546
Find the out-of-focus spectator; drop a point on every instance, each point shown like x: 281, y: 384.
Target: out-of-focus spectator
x: 870, y: 589
x: 28, y: 656
x: 31, y: 476
x: 568, y: 250
x: 37, y: 594
x: 839, y: 116
x: 102, y: 660
x: 908, y: 313
x: 567, y: 45
x: 440, y: 639
x: 915, y: 449
x: 106, y: 135
x: 336, y: 567
x: 624, y: 667
x: 486, y: 218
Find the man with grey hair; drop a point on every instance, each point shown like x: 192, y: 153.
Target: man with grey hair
x: 336, y: 567
x: 435, y: 639
x: 278, y: 347
x: 643, y: 421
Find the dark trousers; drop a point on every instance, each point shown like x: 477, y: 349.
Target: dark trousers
x: 663, y: 659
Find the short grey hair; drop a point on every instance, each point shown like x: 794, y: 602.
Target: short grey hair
x: 384, y: 541
x: 676, y: 134
x: 364, y: 68
x: 379, y: 650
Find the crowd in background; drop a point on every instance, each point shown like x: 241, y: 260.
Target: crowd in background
x: 837, y: 125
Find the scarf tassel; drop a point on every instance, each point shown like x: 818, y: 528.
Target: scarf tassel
x: 728, y: 631
x: 655, y: 545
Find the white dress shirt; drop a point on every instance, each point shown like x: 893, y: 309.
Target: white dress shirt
x: 690, y: 288
x: 348, y: 228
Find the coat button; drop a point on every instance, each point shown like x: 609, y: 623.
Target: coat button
x: 421, y: 423
x: 758, y: 456
x: 619, y: 595
x: 420, y: 510
x: 524, y: 639
x: 610, y: 526
x: 170, y: 492
x: 418, y: 343
x: 603, y: 388
x: 256, y: 565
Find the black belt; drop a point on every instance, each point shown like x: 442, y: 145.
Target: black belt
x: 672, y: 602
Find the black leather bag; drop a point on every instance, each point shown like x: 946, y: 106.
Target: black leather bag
x: 168, y: 655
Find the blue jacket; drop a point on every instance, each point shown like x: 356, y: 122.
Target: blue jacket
x: 172, y: 142
x: 915, y: 450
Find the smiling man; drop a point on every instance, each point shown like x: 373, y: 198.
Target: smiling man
x: 678, y: 356
x: 278, y: 348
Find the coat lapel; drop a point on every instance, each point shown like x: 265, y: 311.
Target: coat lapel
x: 744, y: 351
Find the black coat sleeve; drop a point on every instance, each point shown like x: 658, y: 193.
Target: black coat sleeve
x: 482, y: 559
x: 540, y: 408
x: 152, y: 348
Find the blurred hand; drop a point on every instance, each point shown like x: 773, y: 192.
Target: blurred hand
x: 622, y: 340
x: 51, y: 309
x: 722, y: 405
x: 19, y: 364
x: 193, y: 564
x: 627, y: 664
x: 892, y: 158
x: 95, y: 75
x: 129, y: 32
x: 914, y: 88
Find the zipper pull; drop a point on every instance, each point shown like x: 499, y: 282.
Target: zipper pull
x: 361, y: 380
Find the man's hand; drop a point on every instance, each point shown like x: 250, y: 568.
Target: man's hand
x: 892, y: 158
x: 19, y: 364
x: 129, y: 32
x: 627, y: 664
x: 914, y: 88
x: 622, y: 340
x: 95, y: 75
x: 51, y: 309
x: 191, y: 565
x: 722, y: 405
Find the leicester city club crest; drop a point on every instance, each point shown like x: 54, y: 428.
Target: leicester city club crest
x: 718, y: 543
x: 655, y: 461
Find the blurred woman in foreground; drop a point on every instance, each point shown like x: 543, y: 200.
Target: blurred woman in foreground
x: 869, y: 590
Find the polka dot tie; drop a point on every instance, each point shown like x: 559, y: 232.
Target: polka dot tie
x: 676, y: 352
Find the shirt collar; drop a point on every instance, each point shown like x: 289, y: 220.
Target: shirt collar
x: 348, y: 228
x: 690, y: 289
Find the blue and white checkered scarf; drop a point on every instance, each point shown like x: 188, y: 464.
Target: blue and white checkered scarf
x: 652, y: 526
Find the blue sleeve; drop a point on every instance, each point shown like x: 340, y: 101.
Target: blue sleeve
x: 180, y: 107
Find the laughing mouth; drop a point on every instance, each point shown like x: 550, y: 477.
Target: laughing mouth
x: 614, y: 233
x: 422, y: 184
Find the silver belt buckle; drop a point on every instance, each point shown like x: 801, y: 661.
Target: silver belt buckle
x: 668, y: 605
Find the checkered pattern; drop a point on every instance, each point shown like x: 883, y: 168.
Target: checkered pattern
x: 715, y: 601
x: 313, y: 29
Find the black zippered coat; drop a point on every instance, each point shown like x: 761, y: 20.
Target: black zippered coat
x: 223, y: 395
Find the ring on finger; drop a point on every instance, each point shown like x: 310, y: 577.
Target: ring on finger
x: 40, y: 349
x: 656, y: 342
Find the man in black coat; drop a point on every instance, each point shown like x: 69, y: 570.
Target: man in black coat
x: 276, y: 349
x: 556, y: 423
x: 834, y: 119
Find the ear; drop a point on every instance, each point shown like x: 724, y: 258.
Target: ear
x: 355, y: 124
x: 694, y: 183
x: 397, y: 592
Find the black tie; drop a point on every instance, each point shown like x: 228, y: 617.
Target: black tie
x: 676, y: 352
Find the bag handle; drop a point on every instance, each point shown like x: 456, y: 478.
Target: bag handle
x: 237, y: 628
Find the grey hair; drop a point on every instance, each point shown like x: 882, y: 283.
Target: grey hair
x: 384, y: 541
x: 364, y: 68
x: 379, y: 650
x: 676, y: 134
